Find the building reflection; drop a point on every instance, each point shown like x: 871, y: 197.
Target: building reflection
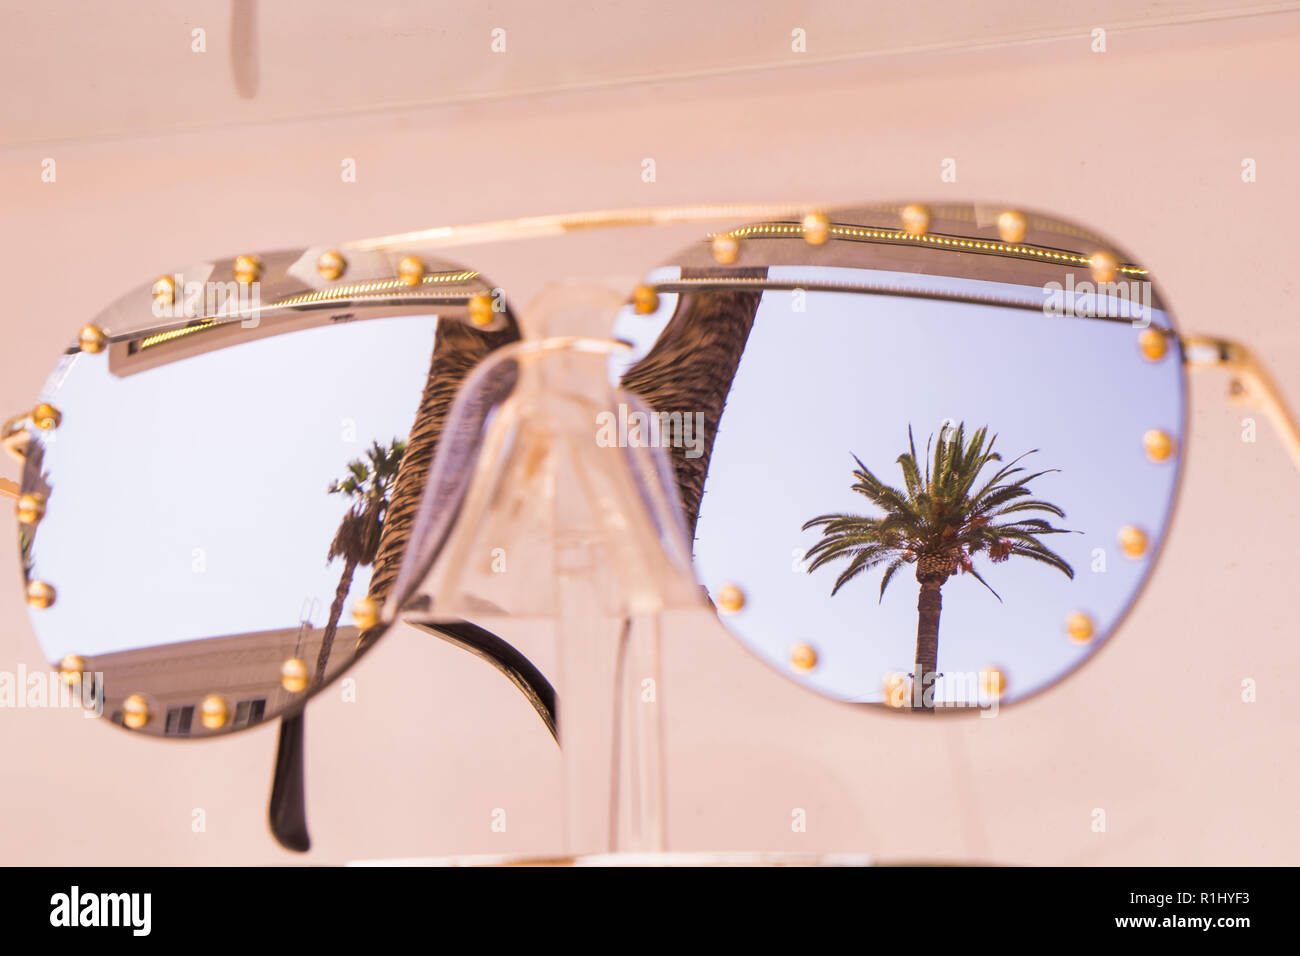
x: 245, y: 669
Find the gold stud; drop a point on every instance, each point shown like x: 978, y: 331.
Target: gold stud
x: 803, y: 657
x: 1153, y: 344
x: 92, y: 339
x: 46, y: 417
x: 915, y: 219
x: 30, y: 508
x: 897, y: 689
x: 365, y: 613
x: 1079, y: 626
x: 1133, y: 541
x: 214, y: 711
x: 1012, y: 226
x: 726, y: 249
x: 645, y: 300
x: 816, y: 228
x: 1159, y: 445
x: 247, y: 269
x: 480, y: 311
x: 1103, y: 265
x: 993, y: 683
x: 730, y: 599
x: 293, y: 675
x: 410, y: 269
x: 40, y: 595
x: 71, y: 668
x: 135, y: 711
x: 164, y: 290
x: 331, y: 264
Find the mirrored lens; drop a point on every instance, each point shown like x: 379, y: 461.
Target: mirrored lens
x: 214, y: 512
x: 914, y: 473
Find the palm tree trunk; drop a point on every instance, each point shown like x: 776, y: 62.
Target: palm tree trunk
x: 691, y: 368
x: 928, y: 606
x: 457, y: 348
x: 336, y: 611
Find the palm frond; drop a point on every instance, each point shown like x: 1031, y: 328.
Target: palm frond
x: 369, y: 482
x: 1045, y: 555
x: 1032, y: 505
x: 864, y: 561
x: 887, y: 576
x: 980, y: 578
x: 946, y: 507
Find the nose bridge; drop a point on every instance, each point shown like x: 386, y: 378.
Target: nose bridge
x: 558, y: 514
x: 548, y: 472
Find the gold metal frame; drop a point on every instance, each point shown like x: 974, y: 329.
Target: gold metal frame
x: 1251, y: 383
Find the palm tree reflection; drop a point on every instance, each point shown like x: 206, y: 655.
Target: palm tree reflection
x: 368, y: 486
x: 941, y: 520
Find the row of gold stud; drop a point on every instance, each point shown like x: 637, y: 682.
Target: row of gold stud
x: 411, y: 271
x: 816, y: 229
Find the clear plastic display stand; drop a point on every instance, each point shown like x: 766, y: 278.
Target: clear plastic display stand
x: 598, y: 550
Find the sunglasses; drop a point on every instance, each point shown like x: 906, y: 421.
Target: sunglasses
x: 917, y: 458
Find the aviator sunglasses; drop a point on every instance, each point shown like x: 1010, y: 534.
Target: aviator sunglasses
x: 918, y: 458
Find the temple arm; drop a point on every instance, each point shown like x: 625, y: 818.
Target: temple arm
x: 1251, y: 384
x: 287, y: 814
x: 13, y: 439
